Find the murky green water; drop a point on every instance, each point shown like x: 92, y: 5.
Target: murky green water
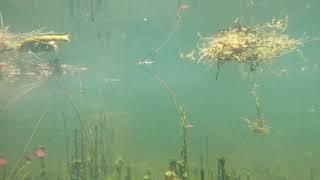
x: 109, y: 37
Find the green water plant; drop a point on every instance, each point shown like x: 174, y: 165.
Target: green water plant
x: 222, y: 173
x: 201, y: 168
x: 41, y: 154
x: 147, y: 175
x: 183, y: 162
x: 3, y: 166
x: 252, y: 45
x: 171, y: 173
x: 258, y: 126
x: 129, y: 173
x: 118, y: 166
x: 76, y: 161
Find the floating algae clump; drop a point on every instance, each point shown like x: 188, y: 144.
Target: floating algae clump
x: 35, y: 41
x: 245, y: 44
x: 6, y: 40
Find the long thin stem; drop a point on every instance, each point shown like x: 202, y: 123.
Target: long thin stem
x: 24, y: 91
x: 4, y: 173
x: 1, y: 21
x: 207, y: 154
x: 66, y: 135
x: 35, y: 129
x: 175, y: 29
x: 183, y: 118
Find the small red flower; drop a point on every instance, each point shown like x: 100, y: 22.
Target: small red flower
x: 3, y: 161
x: 40, y: 152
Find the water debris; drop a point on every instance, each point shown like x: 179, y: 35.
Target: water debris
x: 145, y: 62
x: 188, y: 126
x: 111, y: 80
x: 188, y: 56
x: 14, y: 71
x: 252, y: 45
x: 69, y: 68
x: 42, y: 42
x: 20, y: 53
x: 282, y: 71
x: 35, y: 41
x: 304, y: 68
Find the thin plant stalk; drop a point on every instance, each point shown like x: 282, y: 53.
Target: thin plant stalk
x: 201, y: 168
x: 35, y: 129
x: 207, y: 154
x: 96, y: 142
x: 183, y: 119
x: 66, y: 135
x: 4, y: 173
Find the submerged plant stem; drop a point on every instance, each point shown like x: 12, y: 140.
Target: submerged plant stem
x: 35, y: 129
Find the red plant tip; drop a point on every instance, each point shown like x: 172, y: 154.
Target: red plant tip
x: 40, y: 152
x: 3, y: 162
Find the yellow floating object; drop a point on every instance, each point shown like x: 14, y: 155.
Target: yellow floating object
x: 48, y: 38
x: 45, y: 42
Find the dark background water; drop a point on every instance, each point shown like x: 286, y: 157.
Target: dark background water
x: 113, y: 37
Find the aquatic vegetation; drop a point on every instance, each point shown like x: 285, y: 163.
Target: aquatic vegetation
x: 147, y: 175
x: 118, y: 166
x: 252, y: 45
x: 246, y: 44
x: 182, y: 164
x: 20, y: 63
x: 90, y: 146
x: 171, y: 173
x: 13, y: 72
x: 18, y: 58
x: 3, y: 164
x: 188, y: 56
x: 222, y: 173
x: 42, y: 42
x: 19, y: 93
x: 32, y: 75
x: 5, y: 40
x: 3, y: 161
x: 149, y: 59
x: 25, y: 169
x: 92, y: 155
x: 35, y: 41
x: 258, y: 126
x: 41, y: 154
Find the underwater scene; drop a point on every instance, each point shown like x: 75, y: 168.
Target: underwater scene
x: 159, y: 90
